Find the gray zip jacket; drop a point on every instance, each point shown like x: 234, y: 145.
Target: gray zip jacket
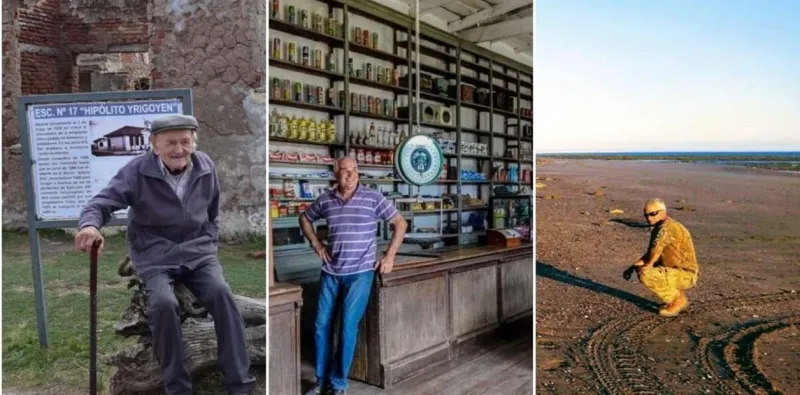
x: 163, y: 231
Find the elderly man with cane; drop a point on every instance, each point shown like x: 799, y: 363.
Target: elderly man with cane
x: 669, y: 267
x: 173, y: 195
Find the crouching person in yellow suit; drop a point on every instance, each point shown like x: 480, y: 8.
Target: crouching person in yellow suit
x: 669, y: 267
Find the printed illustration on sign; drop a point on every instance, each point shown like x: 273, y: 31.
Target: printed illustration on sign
x: 420, y: 160
x: 127, y: 140
x: 78, y: 147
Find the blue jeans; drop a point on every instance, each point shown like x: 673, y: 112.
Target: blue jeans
x: 355, y: 290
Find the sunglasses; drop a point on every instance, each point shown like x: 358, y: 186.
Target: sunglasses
x: 652, y: 213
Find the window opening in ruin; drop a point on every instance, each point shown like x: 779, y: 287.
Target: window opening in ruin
x: 119, y: 71
x: 143, y: 84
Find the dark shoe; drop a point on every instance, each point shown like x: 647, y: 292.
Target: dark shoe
x: 338, y: 392
x: 315, y: 390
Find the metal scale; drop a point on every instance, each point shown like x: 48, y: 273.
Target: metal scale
x: 425, y: 240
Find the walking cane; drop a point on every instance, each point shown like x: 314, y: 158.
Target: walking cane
x: 93, y: 320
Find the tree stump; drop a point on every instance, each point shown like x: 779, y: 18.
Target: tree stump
x: 138, y: 372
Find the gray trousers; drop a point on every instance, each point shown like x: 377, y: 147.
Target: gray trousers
x: 208, y: 284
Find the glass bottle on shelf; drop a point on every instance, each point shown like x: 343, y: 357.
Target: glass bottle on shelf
x: 362, y: 137
x: 274, y: 123
x: 312, y: 130
x: 302, y: 129
x: 293, y: 128
x: 331, y: 132
x: 283, y: 126
x: 371, y: 140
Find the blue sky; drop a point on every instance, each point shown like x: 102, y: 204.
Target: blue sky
x: 680, y: 75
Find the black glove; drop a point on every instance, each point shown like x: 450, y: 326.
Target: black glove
x: 628, y: 273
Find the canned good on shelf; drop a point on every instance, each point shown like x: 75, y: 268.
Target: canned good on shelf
x: 287, y: 90
x: 276, y: 48
x: 290, y: 15
x: 318, y: 58
x: 276, y: 88
x: 331, y: 98
x: 304, y: 19
x: 276, y: 9
x: 292, y: 51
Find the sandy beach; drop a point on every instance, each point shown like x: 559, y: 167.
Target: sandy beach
x: 597, y: 333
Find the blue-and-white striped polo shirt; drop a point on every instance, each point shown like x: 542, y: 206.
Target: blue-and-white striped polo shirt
x: 352, y: 228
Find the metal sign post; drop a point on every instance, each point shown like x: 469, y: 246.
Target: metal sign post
x: 72, y: 144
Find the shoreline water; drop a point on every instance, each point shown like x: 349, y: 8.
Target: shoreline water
x: 781, y: 161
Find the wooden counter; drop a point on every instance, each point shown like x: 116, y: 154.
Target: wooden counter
x: 426, y: 311
x: 285, y: 302
x: 431, y: 310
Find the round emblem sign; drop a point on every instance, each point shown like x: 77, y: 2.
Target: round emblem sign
x: 419, y: 160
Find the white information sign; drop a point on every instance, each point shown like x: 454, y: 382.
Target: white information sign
x: 78, y: 147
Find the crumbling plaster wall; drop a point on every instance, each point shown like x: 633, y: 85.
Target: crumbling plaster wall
x: 218, y: 49
x: 213, y: 47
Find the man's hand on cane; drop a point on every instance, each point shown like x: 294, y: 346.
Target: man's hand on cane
x: 86, y: 238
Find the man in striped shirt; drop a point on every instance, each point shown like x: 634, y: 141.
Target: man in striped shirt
x: 353, y: 213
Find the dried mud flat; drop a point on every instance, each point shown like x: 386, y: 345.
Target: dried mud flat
x: 597, y: 333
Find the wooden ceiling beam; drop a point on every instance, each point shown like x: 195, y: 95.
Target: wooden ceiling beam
x: 498, y: 31
x: 498, y: 10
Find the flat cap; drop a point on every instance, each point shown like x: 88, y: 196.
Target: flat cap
x: 172, y: 122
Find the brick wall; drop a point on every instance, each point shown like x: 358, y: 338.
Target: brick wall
x: 104, y: 31
x: 39, y: 30
x: 40, y: 73
x: 39, y: 23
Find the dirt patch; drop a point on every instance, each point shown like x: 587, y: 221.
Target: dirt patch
x: 605, y: 329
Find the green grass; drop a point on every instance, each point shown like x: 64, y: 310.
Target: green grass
x: 65, y: 363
